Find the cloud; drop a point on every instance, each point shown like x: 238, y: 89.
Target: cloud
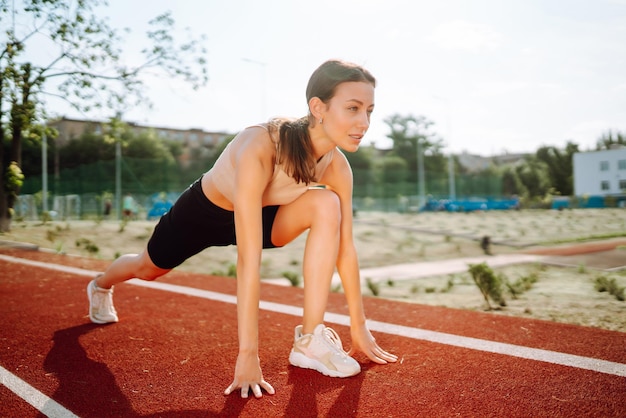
x: 466, y: 36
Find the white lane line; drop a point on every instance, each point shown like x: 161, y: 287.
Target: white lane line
x: 47, y: 406
x: 49, y: 266
x: 553, y: 357
x: 580, y: 362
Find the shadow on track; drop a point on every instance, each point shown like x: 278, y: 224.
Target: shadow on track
x: 87, y: 387
x: 308, y: 385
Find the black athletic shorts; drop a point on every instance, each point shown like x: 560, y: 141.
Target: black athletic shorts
x: 195, y: 223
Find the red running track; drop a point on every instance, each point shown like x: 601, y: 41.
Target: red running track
x: 172, y: 354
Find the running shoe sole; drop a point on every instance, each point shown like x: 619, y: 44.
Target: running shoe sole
x: 300, y: 360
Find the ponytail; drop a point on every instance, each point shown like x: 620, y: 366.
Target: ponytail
x: 295, y: 151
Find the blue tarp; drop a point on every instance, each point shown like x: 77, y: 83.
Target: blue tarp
x: 470, y: 205
x: 161, y: 203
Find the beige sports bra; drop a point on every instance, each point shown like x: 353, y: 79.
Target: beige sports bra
x: 281, y: 190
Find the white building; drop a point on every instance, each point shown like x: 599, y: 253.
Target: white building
x: 600, y: 173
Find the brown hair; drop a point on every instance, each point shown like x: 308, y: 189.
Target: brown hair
x: 295, y: 151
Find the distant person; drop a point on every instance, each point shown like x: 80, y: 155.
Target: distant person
x: 107, y: 208
x: 273, y: 182
x: 128, y: 207
x: 485, y: 244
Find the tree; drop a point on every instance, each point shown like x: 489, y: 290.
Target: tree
x: 361, y: 162
x: 87, y: 148
x: 559, y: 165
x: 85, y: 68
x: 392, y: 170
x: 533, y: 176
x: 510, y: 182
x: 409, y: 131
x: 609, y: 139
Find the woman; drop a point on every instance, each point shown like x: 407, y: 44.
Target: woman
x: 271, y: 183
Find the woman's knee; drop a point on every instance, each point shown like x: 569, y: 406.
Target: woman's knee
x: 326, y: 206
x: 316, y: 209
x: 147, y: 270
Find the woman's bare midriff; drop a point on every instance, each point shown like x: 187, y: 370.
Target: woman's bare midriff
x: 213, y: 194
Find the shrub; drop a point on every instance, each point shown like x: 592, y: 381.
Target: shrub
x: 87, y: 245
x: 373, y: 287
x: 489, y: 284
x: 293, y: 278
x: 522, y: 284
x: 449, y: 285
x: 609, y: 285
x: 231, y: 271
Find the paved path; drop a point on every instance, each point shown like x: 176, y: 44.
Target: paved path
x: 410, y: 271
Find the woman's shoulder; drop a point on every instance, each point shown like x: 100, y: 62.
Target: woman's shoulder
x: 253, y: 140
x: 338, y: 163
x: 253, y: 132
x: 262, y: 126
x: 269, y: 130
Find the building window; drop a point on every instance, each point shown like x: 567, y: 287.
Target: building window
x: 604, y: 166
x: 621, y: 164
x: 622, y: 184
x: 604, y: 185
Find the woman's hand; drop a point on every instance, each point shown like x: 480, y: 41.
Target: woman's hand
x: 248, y: 376
x: 362, y: 340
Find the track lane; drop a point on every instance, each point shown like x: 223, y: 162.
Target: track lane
x: 173, y: 355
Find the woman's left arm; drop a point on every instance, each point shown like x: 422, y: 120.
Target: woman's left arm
x: 339, y: 177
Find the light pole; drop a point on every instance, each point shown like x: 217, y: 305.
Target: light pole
x: 451, y: 178
x: 421, y: 188
x: 44, y: 171
x: 118, y: 166
x: 451, y: 182
x: 262, y: 66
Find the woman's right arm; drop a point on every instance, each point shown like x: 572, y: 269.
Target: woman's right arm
x: 253, y: 159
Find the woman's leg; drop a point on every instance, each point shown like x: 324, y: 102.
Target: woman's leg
x: 127, y: 267
x: 100, y: 290
x: 320, y: 212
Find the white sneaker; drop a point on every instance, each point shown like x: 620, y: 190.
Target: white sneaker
x: 101, y: 309
x: 322, y: 351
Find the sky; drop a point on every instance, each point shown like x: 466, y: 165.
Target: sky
x: 495, y: 76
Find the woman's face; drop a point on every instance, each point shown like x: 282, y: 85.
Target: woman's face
x: 347, y: 114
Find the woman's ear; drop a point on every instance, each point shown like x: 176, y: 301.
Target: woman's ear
x: 317, y: 108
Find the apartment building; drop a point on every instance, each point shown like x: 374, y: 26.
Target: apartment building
x: 600, y: 173
x: 193, y: 140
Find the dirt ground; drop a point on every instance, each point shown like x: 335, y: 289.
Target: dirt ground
x: 581, y: 245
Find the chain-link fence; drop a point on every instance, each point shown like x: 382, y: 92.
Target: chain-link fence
x: 91, y: 189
